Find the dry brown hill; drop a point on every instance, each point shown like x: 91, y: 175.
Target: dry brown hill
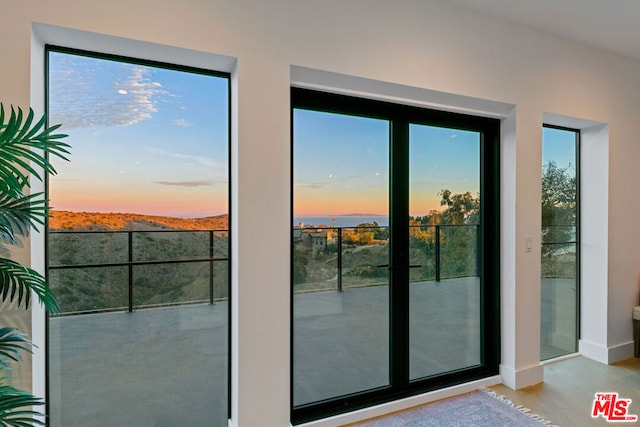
x: 85, y: 221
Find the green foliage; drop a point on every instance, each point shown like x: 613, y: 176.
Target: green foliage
x: 18, y: 213
x: 460, y: 208
x: 300, y: 261
x: 458, y: 237
x: 17, y: 282
x: 458, y: 251
x: 559, y: 204
x: 12, y: 343
x: 25, y: 147
x: 559, y: 221
x: 12, y: 398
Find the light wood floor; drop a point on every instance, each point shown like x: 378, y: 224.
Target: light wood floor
x: 566, y: 396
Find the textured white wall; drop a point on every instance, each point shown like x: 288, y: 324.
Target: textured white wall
x: 427, y: 44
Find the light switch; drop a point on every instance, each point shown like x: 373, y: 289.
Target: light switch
x: 527, y: 244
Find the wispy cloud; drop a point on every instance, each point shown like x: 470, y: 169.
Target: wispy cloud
x: 183, y: 123
x: 81, y: 97
x: 206, y: 162
x: 202, y: 183
x: 315, y: 186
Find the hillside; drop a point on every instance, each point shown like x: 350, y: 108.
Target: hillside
x: 94, y: 221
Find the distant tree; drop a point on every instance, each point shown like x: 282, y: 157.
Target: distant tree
x: 460, y: 208
x: 365, y: 232
x: 559, y: 205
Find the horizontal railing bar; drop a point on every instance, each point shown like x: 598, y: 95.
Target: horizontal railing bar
x: 135, y: 263
x: 356, y: 227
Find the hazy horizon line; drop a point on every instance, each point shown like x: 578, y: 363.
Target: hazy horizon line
x: 164, y: 215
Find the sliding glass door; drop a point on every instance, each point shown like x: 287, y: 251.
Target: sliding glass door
x: 394, y: 251
x: 444, y: 213
x: 342, y: 343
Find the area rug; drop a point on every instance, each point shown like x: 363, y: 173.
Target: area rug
x: 482, y: 408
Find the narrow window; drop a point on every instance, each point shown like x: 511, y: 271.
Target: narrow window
x: 560, y: 242
x: 138, y: 243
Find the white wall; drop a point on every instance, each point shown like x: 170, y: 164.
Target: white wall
x: 426, y: 44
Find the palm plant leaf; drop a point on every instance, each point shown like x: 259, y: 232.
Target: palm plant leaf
x: 20, y: 141
x: 26, y: 146
x: 11, y: 400
x: 19, y: 214
x: 12, y: 343
x: 17, y: 282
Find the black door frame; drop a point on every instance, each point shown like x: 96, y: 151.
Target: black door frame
x: 400, y: 116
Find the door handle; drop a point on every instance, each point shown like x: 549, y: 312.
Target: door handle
x: 389, y: 268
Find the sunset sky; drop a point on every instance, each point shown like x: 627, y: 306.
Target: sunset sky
x: 155, y: 141
x: 144, y: 140
x: 341, y: 165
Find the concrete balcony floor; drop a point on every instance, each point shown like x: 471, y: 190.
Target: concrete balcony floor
x: 168, y: 366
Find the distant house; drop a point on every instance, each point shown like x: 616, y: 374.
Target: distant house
x: 315, y: 239
x: 318, y: 241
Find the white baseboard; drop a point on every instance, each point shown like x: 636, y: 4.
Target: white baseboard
x: 620, y: 352
x: 606, y: 355
x: 517, y: 379
x: 593, y: 351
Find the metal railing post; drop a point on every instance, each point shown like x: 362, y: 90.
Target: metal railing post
x: 478, y: 250
x: 340, y: 259
x: 211, y: 252
x: 130, y: 235
x: 437, y: 236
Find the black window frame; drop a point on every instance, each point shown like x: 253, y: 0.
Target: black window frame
x: 578, y: 139
x: 400, y: 116
x: 48, y: 48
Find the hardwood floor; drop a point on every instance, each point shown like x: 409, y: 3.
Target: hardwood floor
x: 566, y: 396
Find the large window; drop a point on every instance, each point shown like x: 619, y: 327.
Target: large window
x: 394, y: 251
x: 560, y: 242
x: 138, y: 243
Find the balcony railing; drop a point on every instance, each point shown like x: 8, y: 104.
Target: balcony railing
x: 88, y: 270
x: 437, y: 252
x: 93, y: 271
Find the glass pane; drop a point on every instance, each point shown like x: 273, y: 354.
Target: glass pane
x: 70, y: 248
x: 559, y: 255
x: 340, y: 252
x: 151, y: 367
x: 171, y: 246
x: 422, y: 247
x: 90, y: 289
x: 180, y: 284
x: 444, y: 203
x: 458, y: 251
x: 140, y: 214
